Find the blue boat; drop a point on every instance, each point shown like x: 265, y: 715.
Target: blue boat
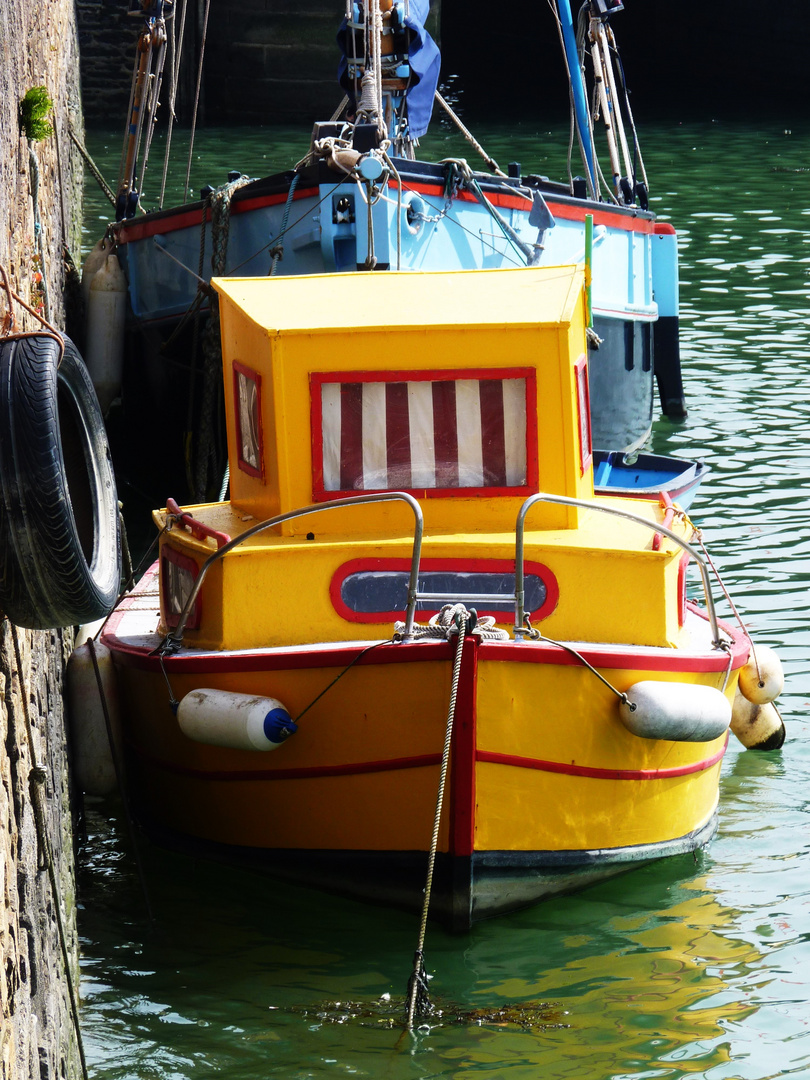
x: 359, y: 200
x: 647, y: 476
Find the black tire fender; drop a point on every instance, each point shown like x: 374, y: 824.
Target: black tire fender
x: 60, y: 552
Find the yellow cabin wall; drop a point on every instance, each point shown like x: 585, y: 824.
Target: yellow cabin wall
x: 286, y: 358
x: 274, y: 590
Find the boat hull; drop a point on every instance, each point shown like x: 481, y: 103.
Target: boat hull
x: 445, y: 234
x: 547, y: 790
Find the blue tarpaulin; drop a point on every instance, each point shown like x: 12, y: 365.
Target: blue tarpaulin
x: 424, y: 59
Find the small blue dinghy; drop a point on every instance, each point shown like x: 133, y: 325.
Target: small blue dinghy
x: 645, y: 477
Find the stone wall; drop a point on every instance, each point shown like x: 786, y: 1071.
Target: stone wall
x: 38, y: 1038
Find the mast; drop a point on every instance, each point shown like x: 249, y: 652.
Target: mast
x: 391, y: 68
x: 578, y: 90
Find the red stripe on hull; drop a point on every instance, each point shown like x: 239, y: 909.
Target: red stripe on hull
x: 567, y: 769
x: 187, y: 219
x: 462, y: 806
x: 315, y: 772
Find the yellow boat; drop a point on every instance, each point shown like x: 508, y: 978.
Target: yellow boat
x: 413, y: 581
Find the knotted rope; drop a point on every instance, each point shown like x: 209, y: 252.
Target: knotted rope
x: 220, y: 203
x: 452, y: 621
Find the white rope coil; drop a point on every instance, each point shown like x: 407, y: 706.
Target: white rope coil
x: 445, y: 624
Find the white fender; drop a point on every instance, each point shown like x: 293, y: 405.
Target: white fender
x: 93, y: 767
x: 239, y: 721
x: 677, y: 712
x: 91, y: 266
x: 106, y: 314
x: 761, y: 677
x: 758, y: 727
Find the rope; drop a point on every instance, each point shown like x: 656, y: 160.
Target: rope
x: 220, y: 203
x: 36, y: 781
x: 535, y: 635
x: 153, y: 96
x: 38, y: 237
x: 196, y: 97
x: 468, y: 135
x: 12, y: 296
x: 91, y: 165
x: 440, y: 624
x: 278, y: 251
x: 174, y: 71
x: 698, y: 535
x: 456, y: 621
x: 371, y: 258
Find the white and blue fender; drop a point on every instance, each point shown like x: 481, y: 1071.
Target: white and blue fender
x: 238, y: 721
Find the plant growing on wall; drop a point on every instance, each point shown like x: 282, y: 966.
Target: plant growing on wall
x: 34, y: 108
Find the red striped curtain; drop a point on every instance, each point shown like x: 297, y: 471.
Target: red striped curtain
x: 446, y: 433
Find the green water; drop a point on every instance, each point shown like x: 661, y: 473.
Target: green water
x: 688, y: 968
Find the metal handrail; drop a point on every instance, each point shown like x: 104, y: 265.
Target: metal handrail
x: 175, y: 637
x: 563, y: 500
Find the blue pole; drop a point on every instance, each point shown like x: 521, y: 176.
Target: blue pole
x: 577, y: 85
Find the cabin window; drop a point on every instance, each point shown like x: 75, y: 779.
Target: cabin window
x: 247, y: 405
x: 435, y: 432
x: 177, y: 576
x: 583, y: 414
x: 376, y: 590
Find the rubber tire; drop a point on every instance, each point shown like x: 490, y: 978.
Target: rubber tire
x: 60, y: 553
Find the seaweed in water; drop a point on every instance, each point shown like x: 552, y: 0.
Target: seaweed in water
x: 530, y: 1016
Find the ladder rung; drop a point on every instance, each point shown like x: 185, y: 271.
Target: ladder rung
x: 468, y: 598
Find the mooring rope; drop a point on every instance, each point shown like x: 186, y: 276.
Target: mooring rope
x: 196, y: 98
x: 698, y: 535
x: 468, y: 135
x: 455, y: 620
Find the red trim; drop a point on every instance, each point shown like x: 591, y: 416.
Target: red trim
x: 583, y: 414
x: 483, y: 566
x: 601, y: 774
x: 183, y: 562
x: 436, y: 191
x: 198, y: 529
x: 630, y: 222
x: 255, y: 377
x: 462, y: 792
x: 600, y: 217
x: 534, y: 652
x: 313, y: 772
x: 243, y: 206
x: 186, y: 219
x: 317, y: 379
x: 665, y: 502
x: 462, y: 820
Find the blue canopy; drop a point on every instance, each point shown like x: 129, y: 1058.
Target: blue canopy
x: 424, y: 59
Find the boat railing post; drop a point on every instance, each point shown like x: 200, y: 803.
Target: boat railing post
x: 564, y: 500
x: 520, y: 593
x: 175, y: 637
